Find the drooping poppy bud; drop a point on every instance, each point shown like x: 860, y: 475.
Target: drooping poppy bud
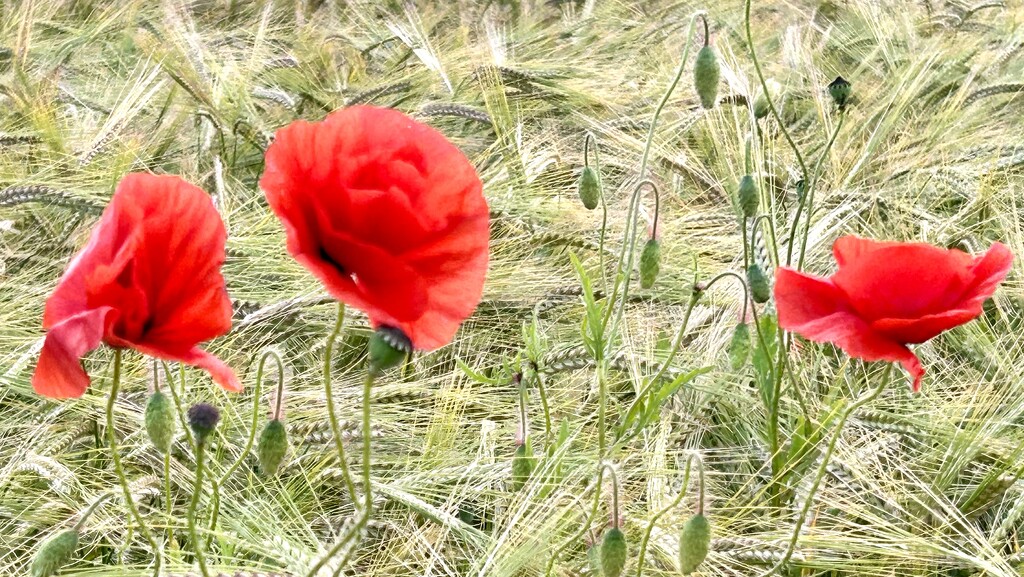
x: 706, y: 74
x: 160, y: 421
x: 273, y: 447
x: 694, y: 540
x: 613, y: 553
x: 758, y: 284
x: 748, y: 195
x: 840, y: 90
x: 54, y: 553
x: 589, y: 188
x: 522, y: 466
x: 203, y: 418
x: 388, y: 347
x: 650, y: 263
x: 739, y: 346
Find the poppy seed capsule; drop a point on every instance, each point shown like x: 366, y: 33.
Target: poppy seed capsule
x: 613, y: 553
x: 705, y: 76
x: 650, y: 263
x: 273, y: 447
x: 840, y: 90
x: 388, y: 347
x: 160, y: 420
x: 203, y: 418
x: 739, y: 346
x: 54, y: 553
x: 522, y: 467
x: 589, y: 188
x: 694, y: 539
x: 758, y: 284
x: 749, y: 197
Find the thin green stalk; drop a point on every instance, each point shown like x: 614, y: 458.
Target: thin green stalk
x: 197, y: 544
x: 823, y: 467
x: 810, y: 193
x: 119, y: 469
x: 645, y: 539
x: 604, y: 204
x: 331, y: 417
x: 602, y: 394
x: 177, y: 403
x: 542, y: 392
x: 584, y: 527
x: 169, y: 497
x: 92, y: 508
x: 615, y: 494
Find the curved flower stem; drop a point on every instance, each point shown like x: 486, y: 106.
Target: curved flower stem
x: 682, y: 493
x: 88, y: 512
x: 809, y: 197
x: 331, y: 417
x: 542, y: 393
x: 630, y: 244
x: 767, y: 93
x: 251, y: 439
x: 119, y: 469
x: 177, y: 402
x: 197, y: 544
x: 584, y: 527
x: 823, y: 467
x: 169, y: 498
x: 615, y: 494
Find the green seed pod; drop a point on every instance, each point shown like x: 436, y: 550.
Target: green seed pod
x: 739, y: 346
x: 589, y: 188
x: 840, y: 90
x: 613, y: 553
x: 761, y: 108
x: 160, y: 421
x: 388, y: 347
x: 706, y: 75
x: 749, y: 197
x: 54, y: 553
x: 650, y: 263
x: 273, y: 447
x: 594, y: 558
x: 522, y: 467
x: 758, y: 283
x: 694, y: 539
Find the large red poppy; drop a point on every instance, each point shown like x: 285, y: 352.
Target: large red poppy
x: 148, y: 279
x: 887, y: 295
x: 387, y: 213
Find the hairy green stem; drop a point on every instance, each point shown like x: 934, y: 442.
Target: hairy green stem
x: 604, y: 204
x: 339, y: 444
x: 810, y: 195
x: 645, y: 539
x: 615, y: 494
x: 92, y: 508
x: 115, y: 456
x: 197, y: 543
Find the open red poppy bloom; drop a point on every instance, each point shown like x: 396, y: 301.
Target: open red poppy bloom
x: 149, y: 279
x: 886, y: 295
x: 387, y: 213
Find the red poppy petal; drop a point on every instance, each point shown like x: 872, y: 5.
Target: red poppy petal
x: 900, y: 280
x: 59, y: 373
x: 815, y: 309
x: 988, y: 271
x: 222, y: 374
x: 923, y: 328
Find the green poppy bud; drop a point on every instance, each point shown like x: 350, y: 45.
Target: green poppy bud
x: 594, y: 558
x: 203, y: 419
x: 160, y: 420
x: 694, y: 539
x: 761, y: 108
x: 522, y: 466
x: 749, y: 197
x: 54, y: 553
x: 840, y: 90
x: 388, y: 347
x: 613, y: 553
x: 273, y: 446
x: 758, y: 284
x: 589, y: 188
x: 650, y: 263
x: 739, y: 346
x: 705, y: 76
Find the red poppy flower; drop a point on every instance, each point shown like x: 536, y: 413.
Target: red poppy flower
x: 149, y: 279
x: 387, y: 213
x: 887, y: 295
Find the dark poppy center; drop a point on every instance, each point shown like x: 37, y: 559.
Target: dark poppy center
x: 329, y: 260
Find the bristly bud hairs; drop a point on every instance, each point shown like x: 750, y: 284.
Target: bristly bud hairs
x: 748, y: 195
x: 160, y: 418
x: 589, y: 187
x: 273, y: 443
x: 706, y: 70
x: 59, y: 549
x: 695, y: 536
x: 650, y: 257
